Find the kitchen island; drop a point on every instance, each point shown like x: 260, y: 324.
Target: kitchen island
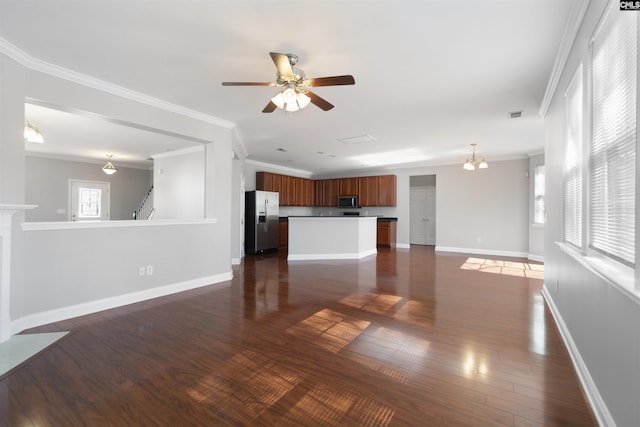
x: 331, y: 237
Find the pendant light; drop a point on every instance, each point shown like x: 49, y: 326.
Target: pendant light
x: 31, y: 134
x: 109, y: 169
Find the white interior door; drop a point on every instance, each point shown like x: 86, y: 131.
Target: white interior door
x: 89, y: 200
x: 430, y: 216
x: 417, y: 216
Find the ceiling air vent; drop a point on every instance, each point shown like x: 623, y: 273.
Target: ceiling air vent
x: 515, y: 114
x: 362, y: 139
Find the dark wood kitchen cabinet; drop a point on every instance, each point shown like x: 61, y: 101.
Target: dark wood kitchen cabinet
x: 368, y: 190
x: 308, y: 194
x: 386, y: 236
x: 387, y: 190
x: 267, y: 181
x: 329, y: 192
x: 296, y: 191
x: 283, y: 236
x: 348, y: 187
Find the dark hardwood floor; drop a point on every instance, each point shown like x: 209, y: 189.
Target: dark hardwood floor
x: 405, y: 338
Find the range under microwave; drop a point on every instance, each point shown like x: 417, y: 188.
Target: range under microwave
x: 348, y: 202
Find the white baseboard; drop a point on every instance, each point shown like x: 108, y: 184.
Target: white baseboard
x: 313, y: 257
x: 539, y: 258
x: 476, y: 251
x: 403, y: 246
x: 63, y: 313
x: 593, y: 395
x: 235, y: 261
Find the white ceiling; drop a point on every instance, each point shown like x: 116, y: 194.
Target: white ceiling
x: 431, y: 76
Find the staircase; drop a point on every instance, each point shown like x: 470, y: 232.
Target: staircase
x: 145, y: 211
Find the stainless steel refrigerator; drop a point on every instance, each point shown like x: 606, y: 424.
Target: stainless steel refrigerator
x: 261, y: 221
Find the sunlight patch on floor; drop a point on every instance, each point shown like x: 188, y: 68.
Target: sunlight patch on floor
x: 20, y: 348
x: 509, y: 268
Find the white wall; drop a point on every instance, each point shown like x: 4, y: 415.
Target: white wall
x: 598, y: 321
x: 87, y: 267
x: 47, y: 185
x: 179, y: 184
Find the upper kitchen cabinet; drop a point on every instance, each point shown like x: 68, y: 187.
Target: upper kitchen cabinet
x: 328, y: 191
x: 287, y: 191
x: 387, y: 190
x: 267, y: 181
x: 368, y: 190
x: 296, y: 191
x: 308, y: 193
x: 348, y: 186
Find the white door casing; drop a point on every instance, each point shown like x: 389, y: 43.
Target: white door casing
x: 431, y: 216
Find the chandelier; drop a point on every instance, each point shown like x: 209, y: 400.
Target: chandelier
x: 472, y: 162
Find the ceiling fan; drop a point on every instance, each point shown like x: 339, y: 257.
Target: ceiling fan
x: 296, y: 95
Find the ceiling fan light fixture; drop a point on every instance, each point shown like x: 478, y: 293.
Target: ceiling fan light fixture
x: 303, y: 100
x: 31, y: 134
x: 278, y: 100
x: 291, y: 99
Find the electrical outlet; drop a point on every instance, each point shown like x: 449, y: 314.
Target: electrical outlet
x: 141, y: 271
x: 149, y: 270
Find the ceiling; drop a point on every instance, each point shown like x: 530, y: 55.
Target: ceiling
x: 432, y: 76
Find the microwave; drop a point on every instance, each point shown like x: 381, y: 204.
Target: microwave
x: 348, y: 202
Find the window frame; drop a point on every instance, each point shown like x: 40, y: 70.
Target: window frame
x: 536, y: 197
x: 579, y: 76
x: 606, y: 261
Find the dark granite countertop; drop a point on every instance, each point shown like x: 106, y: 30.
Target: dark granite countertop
x: 380, y: 218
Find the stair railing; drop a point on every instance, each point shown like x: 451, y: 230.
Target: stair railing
x: 145, y: 211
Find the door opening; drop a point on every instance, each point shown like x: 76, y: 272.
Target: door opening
x: 422, y: 214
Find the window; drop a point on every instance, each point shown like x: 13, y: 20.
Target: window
x: 88, y: 200
x: 538, y: 194
x: 572, y: 185
x: 612, y: 152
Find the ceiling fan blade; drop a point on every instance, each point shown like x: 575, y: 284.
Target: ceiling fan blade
x: 319, y: 102
x: 270, y: 108
x: 247, y: 84
x: 282, y: 64
x: 332, y: 81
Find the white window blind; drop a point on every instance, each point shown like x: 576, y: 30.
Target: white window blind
x: 612, y: 165
x: 538, y: 192
x: 572, y: 200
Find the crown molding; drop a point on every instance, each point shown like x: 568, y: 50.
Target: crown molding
x: 578, y: 10
x: 77, y: 159
x: 35, y: 64
x: 173, y: 153
x: 274, y: 166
